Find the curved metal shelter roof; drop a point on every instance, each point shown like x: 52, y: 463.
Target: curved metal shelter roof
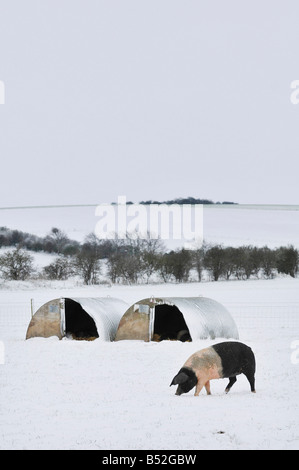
x: 204, y: 318
x: 106, y: 313
x: 50, y: 318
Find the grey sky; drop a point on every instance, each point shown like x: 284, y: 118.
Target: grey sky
x: 150, y: 99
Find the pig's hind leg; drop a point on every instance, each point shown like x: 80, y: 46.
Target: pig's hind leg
x: 231, y: 382
x: 251, y: 380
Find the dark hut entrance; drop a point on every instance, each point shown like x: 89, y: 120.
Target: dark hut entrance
x: 78, y: 323
x: 170, y: 324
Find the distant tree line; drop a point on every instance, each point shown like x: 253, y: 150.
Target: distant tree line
x: 184, y: 200
x: 54, y: 242
x: 135, y: 260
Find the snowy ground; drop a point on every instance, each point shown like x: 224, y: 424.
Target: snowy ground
x: 232, y: 225
x: 94, y: 395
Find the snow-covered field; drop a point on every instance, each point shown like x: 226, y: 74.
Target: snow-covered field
x: 96, y: 395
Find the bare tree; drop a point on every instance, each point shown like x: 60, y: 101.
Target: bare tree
x: 16, y: 265
x: 287, y: 260
x: 61, y: 268
x: 125, y: 262
x: 198, y: 254
x: 267, y: 261
x: 165, y: 268
x: 56, y: 240
x: 175, y: 265
x: 87, y: 261
x: 151, y: 249
x: 214, y: 261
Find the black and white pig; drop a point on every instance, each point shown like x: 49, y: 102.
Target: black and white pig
x: 227, y: 359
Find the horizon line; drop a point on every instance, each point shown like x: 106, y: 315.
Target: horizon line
x: 60, y: 206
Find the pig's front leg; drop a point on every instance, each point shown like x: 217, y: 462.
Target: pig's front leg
x: 198, y: 388
x: 208, y: 387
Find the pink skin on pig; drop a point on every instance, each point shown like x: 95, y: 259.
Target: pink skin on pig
x: 206, y: 365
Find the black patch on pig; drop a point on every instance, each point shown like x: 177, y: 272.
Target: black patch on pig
x: 236, y: 359
x: 185, y: 379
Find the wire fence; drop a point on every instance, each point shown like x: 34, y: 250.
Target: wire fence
x: 15, y: 316
x: 14, y: 312
x: 264, y: 315
x: 14, y: 319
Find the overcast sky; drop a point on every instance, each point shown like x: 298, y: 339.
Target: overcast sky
x: 152, y: 99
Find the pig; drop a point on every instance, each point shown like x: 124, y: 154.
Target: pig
x: 223, y: 360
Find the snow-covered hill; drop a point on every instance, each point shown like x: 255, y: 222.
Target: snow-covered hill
x: 227, y: 224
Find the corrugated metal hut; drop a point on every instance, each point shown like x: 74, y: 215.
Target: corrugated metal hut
x: 79, y: 318
x: 176, y: 318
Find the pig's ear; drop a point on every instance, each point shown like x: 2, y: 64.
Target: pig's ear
x: 179, y: 379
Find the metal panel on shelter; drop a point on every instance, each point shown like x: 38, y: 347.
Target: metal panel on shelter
x: 136, y: 322
x: 106, y: 312
x: 49, y: 320
x: 204, y: 318
x: 46, y: 322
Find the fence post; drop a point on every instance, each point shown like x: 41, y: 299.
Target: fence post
x: 32, y: 307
